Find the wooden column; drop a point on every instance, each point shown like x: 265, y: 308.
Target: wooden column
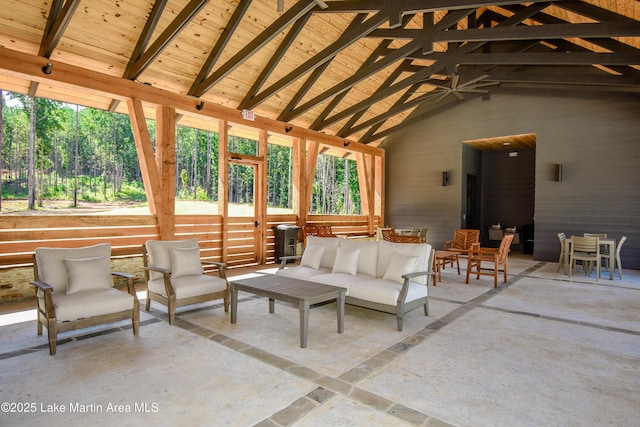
x: 300, y: 199
x: 364, y: 163
x: 310, y: 173
x: 223, y: 188
x: 166, y: 161
x: 379, y: 187
x: 260, y: 198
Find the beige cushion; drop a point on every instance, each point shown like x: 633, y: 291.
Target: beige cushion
x: 185, y: 262
x: 331, y: 246
x: 312, y: 256
x: 87, y: 274
x: 190, y: 286
x: 398, y: 266
x: 92, y: 303
x: 385, y: 291
x: 420, y: 250
x: 159, y: 253
x: 368, y: 255
x: 50, y: 262
x: 346, y: 261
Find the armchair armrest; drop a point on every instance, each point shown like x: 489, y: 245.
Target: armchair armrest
x: 129, y: 277
x: 284, y: 259
x: 47, y: 289
x: 221, y: 265
x: 407, y: 278
x: 158, y: 269
x: 166, y: 273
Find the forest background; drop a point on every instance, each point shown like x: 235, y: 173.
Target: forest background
x: 62, y: 158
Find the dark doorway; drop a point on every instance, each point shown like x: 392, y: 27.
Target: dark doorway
x: 472, y: 215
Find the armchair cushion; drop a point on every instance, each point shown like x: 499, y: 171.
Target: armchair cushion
x: 189, y: 286
x: 90, y: 303
x: 312, y: 256
x: 160, y: 253
x: 51, y: 267
x: 399, y: 265
x: 87, y: 274
x: 346, y: 261
x: 185, y: 262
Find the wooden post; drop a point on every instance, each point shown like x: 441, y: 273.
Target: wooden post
x: 166, y: 161
x: 310, y: 173
x: 260, y: 199
x: 300, y: 200
x: 223, y: 190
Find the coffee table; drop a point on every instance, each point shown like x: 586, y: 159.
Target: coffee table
x: 304, y: 294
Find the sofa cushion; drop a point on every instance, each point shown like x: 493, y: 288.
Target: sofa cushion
x: 87, y: 274
x: 50, y: 262
x: 420, y: 250
x: 346, y: 261
x: 398, y: 266
x: 303, y: 272
x: 368, y: 254
x: 343, y: 280
x: 185, y: 261
x: 312, y: 256
x: 385, y: 291
x: 159, y: 253
x: 331, y: 246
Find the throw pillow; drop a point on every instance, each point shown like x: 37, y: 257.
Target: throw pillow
x: 398, y: 266
x: 346, y: 261
x: 85, y: 274
x: 312, y: 256
x: 185, y: 261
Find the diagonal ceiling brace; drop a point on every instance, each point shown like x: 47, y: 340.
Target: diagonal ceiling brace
x: 272, y: 31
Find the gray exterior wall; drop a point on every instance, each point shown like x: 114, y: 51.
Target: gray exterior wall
x: 596, y: 140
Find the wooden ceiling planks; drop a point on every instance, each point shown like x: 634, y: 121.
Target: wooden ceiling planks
x: 102, y: 35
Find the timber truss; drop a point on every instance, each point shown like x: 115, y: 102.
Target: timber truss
x: 377, y: 61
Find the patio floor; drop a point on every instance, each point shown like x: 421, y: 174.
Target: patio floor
x: 541, y: 350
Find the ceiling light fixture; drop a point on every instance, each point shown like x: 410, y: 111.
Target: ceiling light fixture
x: 47, y: 68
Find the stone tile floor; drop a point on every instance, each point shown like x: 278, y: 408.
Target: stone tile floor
x: 541, y: 350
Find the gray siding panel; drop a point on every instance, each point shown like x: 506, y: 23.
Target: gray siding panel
x: 595, y: 140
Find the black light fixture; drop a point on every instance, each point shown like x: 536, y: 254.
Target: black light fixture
x: 47, y: 68
x: 558, y: 172
x: 288, y: 129
x: 445, y: 178
x: 200, y: 106
x: 346, y: 143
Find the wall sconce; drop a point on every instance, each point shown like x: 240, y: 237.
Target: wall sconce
x: 47, y: 68
x: 445, y: 178
x: 200, y: 106
x: 557, y: 172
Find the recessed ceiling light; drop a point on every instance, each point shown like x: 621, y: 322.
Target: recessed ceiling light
x: 506, y: 144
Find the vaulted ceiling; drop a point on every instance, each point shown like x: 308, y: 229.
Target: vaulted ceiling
x: 356, y: 69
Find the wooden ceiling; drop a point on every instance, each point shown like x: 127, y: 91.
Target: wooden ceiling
x: 356, y: 69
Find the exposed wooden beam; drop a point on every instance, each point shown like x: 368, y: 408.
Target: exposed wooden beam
x: 315, y: 75
x: 347, y: 38
x: 544, y: 58
x: 275, y: 59
x: 370, y: 69
x: 144, y: 38
x: 411, y: 6
x: 447, y: 59
x: 184, y: 17
x: 55, y: 30
x: 273, y: 30
x: 221, y: 43
x: 25, y: 66
x: 166, y: 161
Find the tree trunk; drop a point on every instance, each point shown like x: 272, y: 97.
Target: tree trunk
x: 31, y: 172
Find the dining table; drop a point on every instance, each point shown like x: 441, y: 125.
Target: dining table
x: 609, y: 244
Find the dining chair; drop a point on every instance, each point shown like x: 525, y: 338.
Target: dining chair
x: 587, y: 250
x: 617, y: 262
x: 563, y: 241
x: 496, y: 257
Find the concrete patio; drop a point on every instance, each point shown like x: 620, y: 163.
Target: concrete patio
x: 542, y: 350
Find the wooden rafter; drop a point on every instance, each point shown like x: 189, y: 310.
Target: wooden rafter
x: 289, y: 17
